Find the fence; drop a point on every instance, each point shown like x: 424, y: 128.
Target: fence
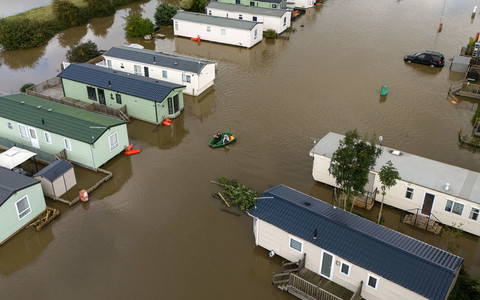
x: 41, y: 155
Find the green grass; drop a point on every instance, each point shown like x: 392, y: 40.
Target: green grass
x: 43, y: 13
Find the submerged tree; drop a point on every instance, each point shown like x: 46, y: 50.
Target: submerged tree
x: 351, y: 163
x: 164, y: 14
x: 388, y: 177
x: 83, y: 52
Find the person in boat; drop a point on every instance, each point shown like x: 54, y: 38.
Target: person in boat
x: 217, y: 137
x: 226, y: 138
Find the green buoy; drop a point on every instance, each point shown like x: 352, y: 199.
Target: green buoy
x: 384, y: 90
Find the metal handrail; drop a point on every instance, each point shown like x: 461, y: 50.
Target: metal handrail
x: 416, y: 212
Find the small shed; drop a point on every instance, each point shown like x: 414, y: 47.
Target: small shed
x: 460, y: 63
x: 57, y: 178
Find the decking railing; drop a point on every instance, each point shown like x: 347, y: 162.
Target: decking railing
x: 358, y: 292
x: 306, y: 290
x: 421, y: 221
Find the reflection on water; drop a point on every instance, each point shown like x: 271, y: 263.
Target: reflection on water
x: 72, y: 36
x: 24, y: 248
x: 20, y: 59
x: 163, y: 137
x: 201, y: 106
x: 100, y: 26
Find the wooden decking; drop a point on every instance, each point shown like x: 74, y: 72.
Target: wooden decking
x: 421, y: 221
x: 307, y: 285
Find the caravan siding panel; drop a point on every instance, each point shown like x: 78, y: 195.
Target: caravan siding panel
x: 47, y: 186
x: 9, y: 221
x: 219, y: 34
x: 101, y: 148
x: 172, y: 75
x: 273, y: 238
x: 279, y: 24
x: 79, y: 153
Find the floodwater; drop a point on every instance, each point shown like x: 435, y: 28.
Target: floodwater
x: 155, y: 232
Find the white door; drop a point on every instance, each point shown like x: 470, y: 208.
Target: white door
x: 33, y: 137
x: 326, y: 265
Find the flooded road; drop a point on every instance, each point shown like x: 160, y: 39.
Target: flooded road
x: 155, y: 232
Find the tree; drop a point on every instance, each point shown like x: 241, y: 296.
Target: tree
x: 83, y: 52
x: 164, y: 14
x: 351, y: 164
x: 388, y: 177
x: 100, y: 8
x: 193, y: 5
x: 136, y: 26
x: 68, y: 14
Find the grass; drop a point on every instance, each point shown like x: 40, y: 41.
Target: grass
x: 43, y: 13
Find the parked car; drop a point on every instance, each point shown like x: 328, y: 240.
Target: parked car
x: 431, y: 58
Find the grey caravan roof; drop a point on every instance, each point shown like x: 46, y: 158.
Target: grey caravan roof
x: 408, y: 262
x: 121, y: 82
x: 212, y: 20
x: 11, y: 182
x: 167, y: 60
x: 54, y: 170
x: 273, y: 12
x: 418, y: 170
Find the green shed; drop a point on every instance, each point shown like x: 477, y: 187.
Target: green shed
x: 21, y: 202
x: 88, y: 138
x: 146, y: 99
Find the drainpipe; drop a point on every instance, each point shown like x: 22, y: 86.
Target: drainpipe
x: 91, y: 155
x: 156, y: 113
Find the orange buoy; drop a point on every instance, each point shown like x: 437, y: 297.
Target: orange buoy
x: 198, y: 39
x: 476, y: 37
x: 232, y: 137
x: 318, y: 4
x: 83, y: 195
x: 194, y: 39
x: 168, y: 120
x: 166, y: 123
x: 134, y: 151
x: 440, y: 28
x: 130, y: 147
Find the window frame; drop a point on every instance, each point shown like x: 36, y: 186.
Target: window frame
x: 23, y: 136
x: 208, y: 29
x: 454, y: 204
x: 137, y: 70
x: 186, y: 78
x: 223, y: 31
x: 376, y: 281
x: 349, y: 268
x: 290, y: 239
x: 407, y: 191
x: 164, y: 74
x: 118, y: 98
x: 110, y: 142
x: 9, y: 125
x: 474, y: 211
x: 176, y: 25
x: 68, y: 144
x: 254, y: 18
x: 48, y: 137
x: 109, y: 63
x: 240, y: 17
x: 28, y: 210
x: 91, y: 93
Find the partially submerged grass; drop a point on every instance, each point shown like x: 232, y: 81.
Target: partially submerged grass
x: 43, y: 13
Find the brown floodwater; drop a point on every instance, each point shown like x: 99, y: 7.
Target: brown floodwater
x: 155, y: 232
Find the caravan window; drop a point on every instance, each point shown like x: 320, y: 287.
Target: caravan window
x: 23, y: 132
x: 23, y: 207
x: 296, y: 245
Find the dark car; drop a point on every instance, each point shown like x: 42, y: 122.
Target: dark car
x: 431, y: 58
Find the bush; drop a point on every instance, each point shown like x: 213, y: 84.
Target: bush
x: 136, y: 26
x: 17, y: 34
x: 24, y: 87
x: 270, y: 34
x: 164, y: 14
x: 466, y: 288
x: 83, y: 52
x: 193, y: 5
x: 118, y: 3
x: 68, y: 14
x: 100, y: 8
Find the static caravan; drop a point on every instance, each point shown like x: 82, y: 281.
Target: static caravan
x: 276, y: 19
x: 146, y: 99
x: 195, y: 74
x: 427, y: 188
x: 217, y: 29
x: 88, y: 138
x: 57, y: 178
x: 300, y: 3
x: 351, y: 251
x: 278, y: 4
x: 21, y: 202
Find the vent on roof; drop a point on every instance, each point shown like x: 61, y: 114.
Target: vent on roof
x: 154, y: 61
x: 50, y: 109
x: 175, y: 63
x: 315, y: 232
x: 307, y: 203
x: 39, y: 106
x: 23, y: 102
x: 43, y: 121
x: 156, y: 81
x: 447, y: 186
x: 396, y: 152
x: 109, y: 83
x: 114, y: 71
